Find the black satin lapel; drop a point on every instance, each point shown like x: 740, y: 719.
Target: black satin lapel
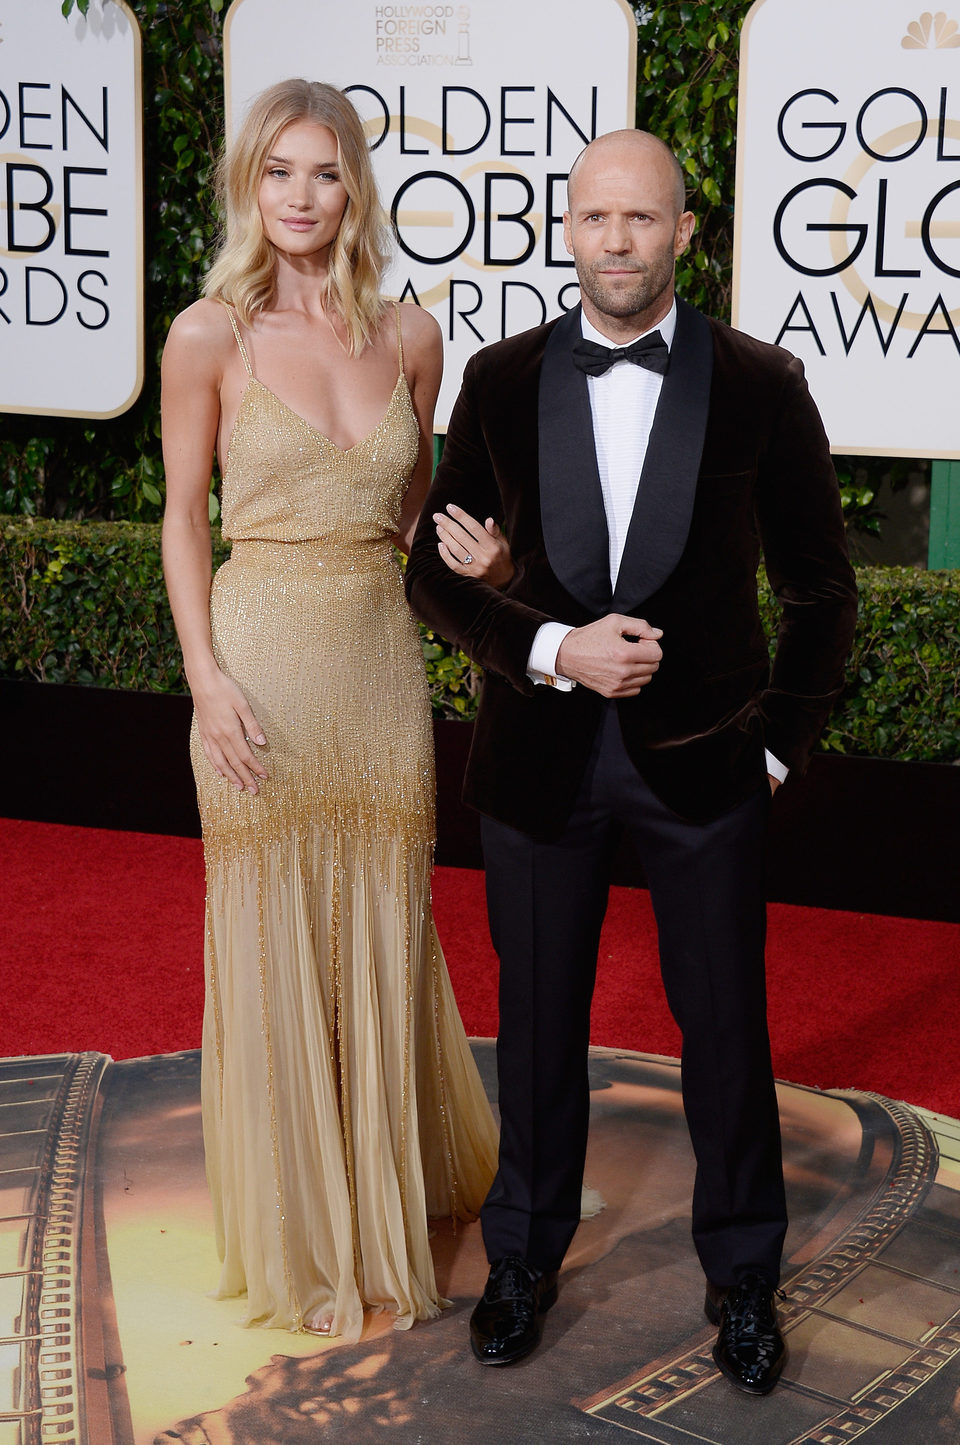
x: 661, y: 517
x: 571, y: 502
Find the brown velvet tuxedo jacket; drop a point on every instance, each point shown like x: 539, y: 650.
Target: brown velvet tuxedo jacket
x: 737, y: 465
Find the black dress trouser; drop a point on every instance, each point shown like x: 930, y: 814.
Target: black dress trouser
x: 546, y: 903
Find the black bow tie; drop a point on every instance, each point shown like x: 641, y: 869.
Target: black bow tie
x: 650, y: 351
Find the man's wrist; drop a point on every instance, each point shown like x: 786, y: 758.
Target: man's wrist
x: 542, y: 662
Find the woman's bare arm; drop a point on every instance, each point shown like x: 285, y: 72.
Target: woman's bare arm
x: 423, y: 363
x: 192, y: 374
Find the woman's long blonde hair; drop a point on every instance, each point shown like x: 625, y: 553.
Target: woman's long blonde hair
x: 244, y: 267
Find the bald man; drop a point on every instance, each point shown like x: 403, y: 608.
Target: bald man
x: 640, y: 459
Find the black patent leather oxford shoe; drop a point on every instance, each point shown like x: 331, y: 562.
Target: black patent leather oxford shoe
x: 749, y: 1348
x: 508, y: 1321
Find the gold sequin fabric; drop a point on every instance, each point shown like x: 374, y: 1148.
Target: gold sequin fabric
x: 341, y: 1105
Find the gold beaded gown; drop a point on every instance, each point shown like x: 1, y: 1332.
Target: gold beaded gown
x: 341, y: 1104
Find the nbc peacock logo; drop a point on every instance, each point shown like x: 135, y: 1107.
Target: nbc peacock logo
x: 932, y: 32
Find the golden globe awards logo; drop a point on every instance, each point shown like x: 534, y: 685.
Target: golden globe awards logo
x: 43, y: 201
x: 885, y: 245
x: 70, y: 254
x: 486, y: 214
x: 474, y: 114
x: 848, y: 213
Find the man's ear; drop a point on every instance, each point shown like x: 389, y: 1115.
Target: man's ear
x: 686, y: 225
x: 568, y: 232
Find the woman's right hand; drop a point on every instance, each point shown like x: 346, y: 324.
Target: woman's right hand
x: 227, y: 726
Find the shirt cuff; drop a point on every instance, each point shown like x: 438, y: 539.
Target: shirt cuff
x: 775, y: 768
x: 542, y: 662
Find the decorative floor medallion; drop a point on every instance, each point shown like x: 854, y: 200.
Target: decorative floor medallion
x: 109, y: 1334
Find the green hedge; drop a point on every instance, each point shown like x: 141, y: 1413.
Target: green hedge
x: 902, y: 698
x: 84, y: 603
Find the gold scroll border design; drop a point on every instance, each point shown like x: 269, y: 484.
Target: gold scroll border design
x: 52, y: 1308
x: 693, y: 1369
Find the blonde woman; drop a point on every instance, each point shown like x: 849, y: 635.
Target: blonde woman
x: 341, y: 1105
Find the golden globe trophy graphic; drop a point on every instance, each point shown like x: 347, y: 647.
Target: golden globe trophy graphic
x: 463, y: 35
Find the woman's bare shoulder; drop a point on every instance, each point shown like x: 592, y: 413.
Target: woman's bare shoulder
x: 417, y: 322
x: 205, y: 323
x: 421, y: 333
x: 200, y: 338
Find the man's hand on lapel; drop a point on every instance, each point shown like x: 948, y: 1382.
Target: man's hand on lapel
x: 615, y: 656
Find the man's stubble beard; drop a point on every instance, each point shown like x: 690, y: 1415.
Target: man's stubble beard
x: 618, y: 300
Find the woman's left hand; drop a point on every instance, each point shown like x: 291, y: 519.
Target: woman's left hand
x: 473, y: 549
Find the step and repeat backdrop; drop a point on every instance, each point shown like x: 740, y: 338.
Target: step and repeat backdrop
x: 474, y: 114
x: 847, y: 226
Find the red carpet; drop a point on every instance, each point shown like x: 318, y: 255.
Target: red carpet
x: 102, y: 949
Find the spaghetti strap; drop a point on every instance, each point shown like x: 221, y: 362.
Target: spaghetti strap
x: 236, y: 332
x: 396, y: 307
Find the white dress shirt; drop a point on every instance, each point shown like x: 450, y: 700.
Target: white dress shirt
x: 623, y: 402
